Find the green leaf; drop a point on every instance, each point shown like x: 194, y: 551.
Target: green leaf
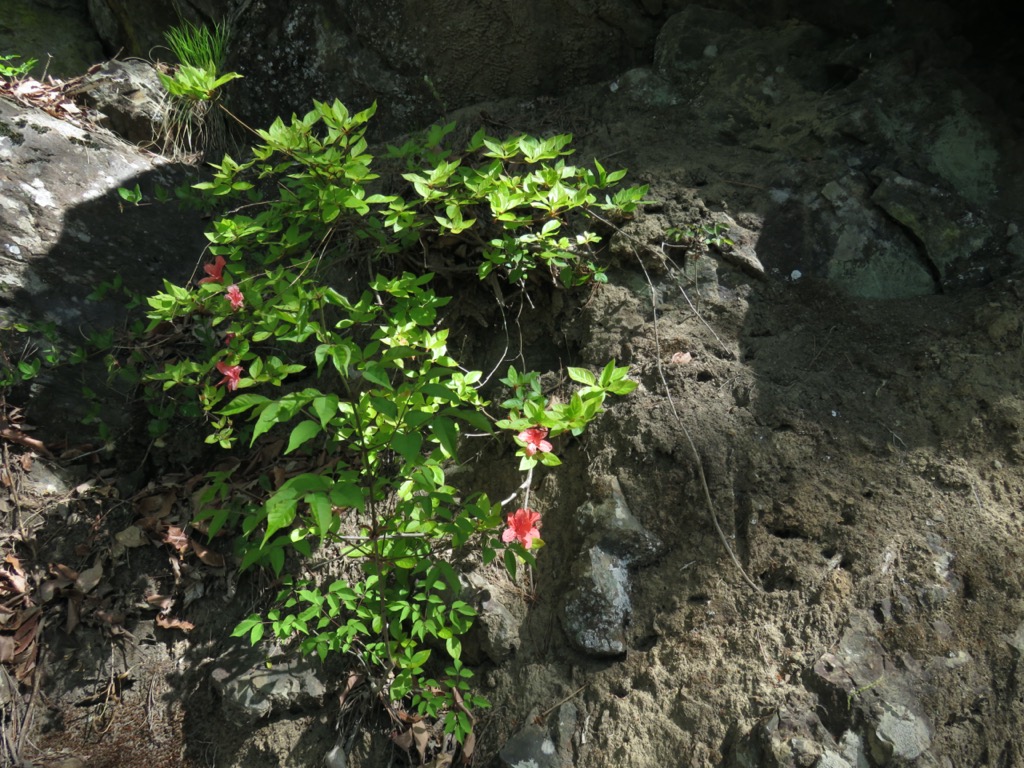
x: 510, y: 563
x: 454, y: 647
x: 418, y: 659
x: 377, y: 374
x: 323, y: 513
x: 348, y: 495
x: 280, y: 514
x: 302, y: 432
x: 447, y: 434
x: 325, y: 407
x: 268, y: 418
x: 253, y: 626
x: 408, y: 444
x: 582, y: 375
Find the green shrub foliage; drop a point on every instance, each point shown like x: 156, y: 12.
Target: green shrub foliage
x: 316, y: 325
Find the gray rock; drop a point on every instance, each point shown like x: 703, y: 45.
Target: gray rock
x: 852, y: 746
x: 870, y: 256
x: 597, y: 607
x: 421, y: 58
x: 131, y: 97
x: 137, y: 29
x: 954, y: 237
x: 830, y: 759
x: 898, y: 734
x: 685, y: 40
x: 64, y: 230
x: 253, y: 688
x: 532, y: 747
x: 610, y: 525
x: 496, y: 629
x: 59, y: 38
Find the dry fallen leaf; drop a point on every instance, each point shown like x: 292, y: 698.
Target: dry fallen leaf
x: 162, y: 603
x: 88, y: 579
x: 168, y: 622
x: 26, y: 634
x: 110, y: 617
x: 467, y: 748
x: 421, y: 737
x: 63, y: 572
x: 72, y: 617
x: 156, y: 505
x: 132, y: 536
x: 176, y: 537
x: 402, y: 740
x: 52, y: 588
x: 207, y: 555
x: 6, y: 649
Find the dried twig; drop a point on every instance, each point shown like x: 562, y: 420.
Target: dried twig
x: 686, y: 433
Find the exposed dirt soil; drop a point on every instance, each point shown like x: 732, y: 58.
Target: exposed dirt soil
x: 865, y: 460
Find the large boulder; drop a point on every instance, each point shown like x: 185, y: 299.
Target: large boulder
x: 64, y: 230
x: 56, y: 33
x: 421, y: 58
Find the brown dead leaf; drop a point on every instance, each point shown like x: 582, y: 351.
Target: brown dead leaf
x: 467, y: 748
x: 62, y: 571
x: 207, y: 555
x: 26, y: 634
x: 354, y: 681
x: 162, y: 603
x: 28, y: 87
x: 20, y: 438
x: 420, y: 737
x: 115, y: 618
x: 156, y: 505
x: 89, y: 578
x: 13, y: 576
x: 402, y: 740
x: 132, y: 536
x: 176, y: 537
x: 168, y: 622
x: 26, y: 462
x: 52, y: 588
x: 12, y: 583
x: 73, y: 611
x: 6, y: 649
x: 25, y: 665
x: 154, y: 524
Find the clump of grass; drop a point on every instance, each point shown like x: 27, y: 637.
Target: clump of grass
x: 192, y: 126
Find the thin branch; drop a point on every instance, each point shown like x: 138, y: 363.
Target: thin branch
x: 686, y: 433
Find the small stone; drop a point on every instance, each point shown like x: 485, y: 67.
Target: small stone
x: 532, y: 747
x: 899, y: 734
x: 595, y: 611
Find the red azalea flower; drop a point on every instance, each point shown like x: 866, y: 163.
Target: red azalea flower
x: 232, y: 373
x: 214, y: 272
x: 522, y: 526
x: 234, y: 295
x: 534, y: 439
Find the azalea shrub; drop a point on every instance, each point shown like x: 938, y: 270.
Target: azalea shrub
x: 315, y: 334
